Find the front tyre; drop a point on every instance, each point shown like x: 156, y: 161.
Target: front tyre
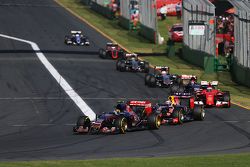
x: 154, y: 121
x: 121, y: 125
x: 199, y: 113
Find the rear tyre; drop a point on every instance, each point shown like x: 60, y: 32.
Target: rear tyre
x: 178, y: 114
x: 226, y: 98
x: 152, y: 81
x: 103, y: 54
x: 181, y: 89
x: 154, y: 121
x: 146, y: 67
x: 199, y: 113
x: 147, y: 77
x: 118, y: 64
x: 121, y: 125
x: 174, y: 89
x: 122, y: 66
x: 83, y: 121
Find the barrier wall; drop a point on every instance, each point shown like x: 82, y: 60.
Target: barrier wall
x: 198, y: 58
x: 102, y: 10
x: 148, y: 33
x: 86, y: 2
x: 240, y: 74
x: 199, y: 33
x: 124, y: 19
x: 148, y: 20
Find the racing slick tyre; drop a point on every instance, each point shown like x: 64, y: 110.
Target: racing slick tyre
x: 181, y: 89
x: 178, y: 80
x: 174, y: 89
x: 154, y: 121
x: 121, y: 124
x: 199, y: 113
x: 178, y: 115
x: 121, y: 54
x: 147, y: 77
x: 83, y: 121
x: 226, y: 98
x: 152, y: 81
x: 102, y: 53
x: 146, y: 67
x: 66, y: 39
x: 122, y: 66
x: 118, y: 65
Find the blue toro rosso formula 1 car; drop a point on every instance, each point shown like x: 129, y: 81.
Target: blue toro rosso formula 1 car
x: 76, y: 38
x: 127, y: 116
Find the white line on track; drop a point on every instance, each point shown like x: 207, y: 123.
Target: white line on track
x: 85, y: 98
x: 19, y: 125
x: 231, y: 121
x: 60, y: 80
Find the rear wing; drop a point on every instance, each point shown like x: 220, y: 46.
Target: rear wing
x: 111, y: 44
x: 162, y: 68
x: 75, y: 32
x: 182, y: 95
x: 214, y: 83
x: 188, y: 77
x: 206, y: 83
x: 140, y: 103
x: 127, y: 55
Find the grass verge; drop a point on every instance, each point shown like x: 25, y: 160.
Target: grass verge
x: 136, y: 43
x: 235, y: 160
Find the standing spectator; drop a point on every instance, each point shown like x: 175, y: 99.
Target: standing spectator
x: 135, y: 18
x: 178, y: 10
x: 163, y: 12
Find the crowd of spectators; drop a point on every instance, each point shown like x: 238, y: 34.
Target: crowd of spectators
x: 225, y: 25
x: 114, y: 5
x: 225, y: 30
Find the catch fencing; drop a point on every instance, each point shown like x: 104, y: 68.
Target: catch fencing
x: 148, y: 19
x: 241, y: 57
x: 199, y: 33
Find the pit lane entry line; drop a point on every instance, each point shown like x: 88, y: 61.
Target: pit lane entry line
x: 60, y: 80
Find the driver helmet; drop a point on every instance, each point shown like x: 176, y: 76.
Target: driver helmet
x: 164, y: 72
x: 117, y: 111
x: 192, y: 81
x: 209, y: 89
x: 172, y: 100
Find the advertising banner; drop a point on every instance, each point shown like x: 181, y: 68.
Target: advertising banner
x: 173, y: 7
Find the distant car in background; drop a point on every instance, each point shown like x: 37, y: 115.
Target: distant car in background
x: 130, y: 62
x: 212, y: 96
x: 112, y: 50
x: 176, y: 33
x: 76, y: 38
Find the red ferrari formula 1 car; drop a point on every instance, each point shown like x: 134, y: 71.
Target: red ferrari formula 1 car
x: 112, y: 51
x: 212, y: 96
x: 181, y: 107
x: 130, y: 116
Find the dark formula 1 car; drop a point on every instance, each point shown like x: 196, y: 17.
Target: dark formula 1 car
x: 160, y: 77
x: 105, y: 123
x: 76, y: 38
x: 185, y: 84
x: 112, y: 51
x: 212, y: 96
x: 132, y: 63
x: 133, y: 115
x: 180, y: 108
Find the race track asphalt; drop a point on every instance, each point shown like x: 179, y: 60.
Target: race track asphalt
x: 36, y: 116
